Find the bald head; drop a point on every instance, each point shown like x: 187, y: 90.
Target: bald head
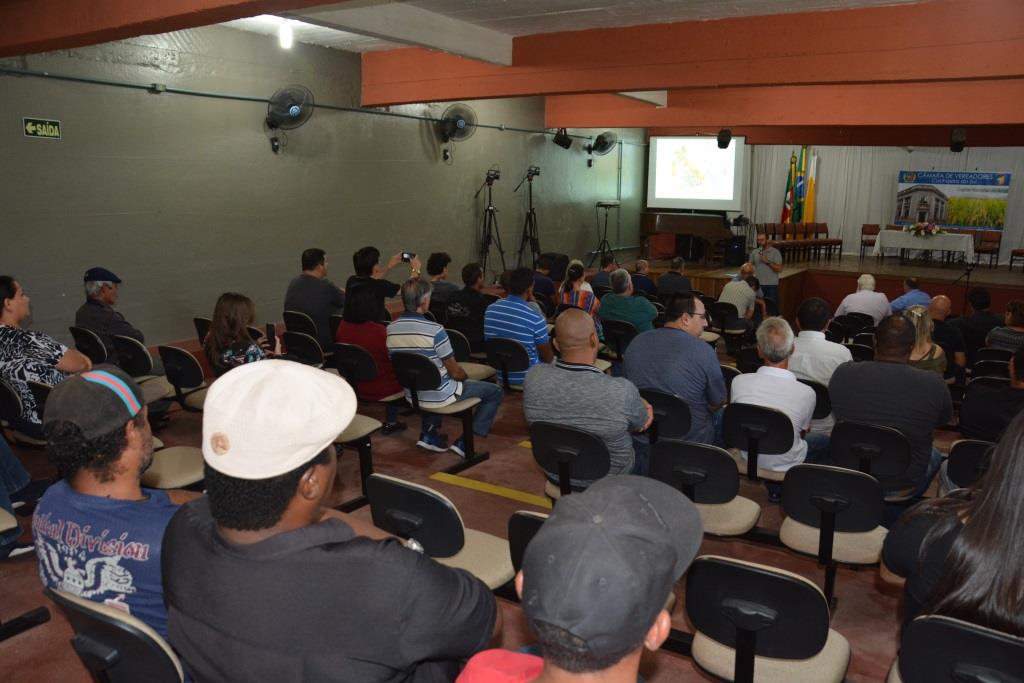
x: 575, y: 335
x: 746, y: 270
x: 940, y: 307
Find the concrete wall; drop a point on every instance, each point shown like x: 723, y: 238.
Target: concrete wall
x: 182, y: 197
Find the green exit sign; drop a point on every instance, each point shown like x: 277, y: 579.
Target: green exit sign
x: 47, y: 129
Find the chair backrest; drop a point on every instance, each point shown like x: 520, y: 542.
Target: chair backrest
x: 992, y: 381
x: 335, y: 322
x: 671, y: 415
x: 882, y: 452
x: 40, y: 392
x: 202, y: 326
x: 968, y: 461
x: 837, y: 332
x: 938, y: 649
x: 864, y: 318
x: 440, y: 311
x: 523, y: 525
x: 723, y: 314
x: 297, y: 321
x: 10, y: 402
x: 704, y: 474
x: 507, y: 355
x: 352, y: 362
x: 114, y: 645
x: 89, y: 343
x: 747, y: 360
x: 822, y: 401
x: 618, y: 334
x: 460, y: 345
x: 729, y: 373
x: 992, y: 353
x: 561, y: 449
x: 810, y: 491
x: 743, y: 423
x: 491, y: 298
x: 303, y: 347
x: 416, y: 373
x: 860, y: 352
x: 864, y: 339
x: 418, y: 512
x: 852, y: 324
x: 991, y: 236
x: 182, y: 368
x: 255, y: 333
x: 787, y: 613
x: 982, y: 407
x: 990, y: 368
x: 869, y: 229
x: 601, y: 290
x: 132, y: 355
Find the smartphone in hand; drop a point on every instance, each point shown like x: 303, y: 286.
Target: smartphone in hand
x: 408, y: 256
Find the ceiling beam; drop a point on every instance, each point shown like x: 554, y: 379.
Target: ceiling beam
x: 881, y: 136
x: 943, y: 40
x: 409, y: 25
x: 659, y: 98
x: 961, y: 103
x: 30, y: 26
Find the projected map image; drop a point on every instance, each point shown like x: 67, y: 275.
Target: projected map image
x: 694, y: 169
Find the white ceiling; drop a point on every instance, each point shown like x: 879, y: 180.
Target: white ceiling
x: 527, y: 17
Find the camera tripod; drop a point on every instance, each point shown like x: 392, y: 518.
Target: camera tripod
x: 489, y: 225
x: 604, y: 246
x: 531, y: 236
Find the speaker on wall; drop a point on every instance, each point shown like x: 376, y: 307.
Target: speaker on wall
x: 724, y: 137
x: 957, y: 140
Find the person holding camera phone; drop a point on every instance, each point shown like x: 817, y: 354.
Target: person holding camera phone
x: 370, y: 273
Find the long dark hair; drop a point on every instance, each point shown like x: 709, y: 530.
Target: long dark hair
x: 574, y: 273
x: 231, y: 315
x: 983, y: 576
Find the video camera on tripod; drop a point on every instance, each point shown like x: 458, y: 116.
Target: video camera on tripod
x: 492, y: 175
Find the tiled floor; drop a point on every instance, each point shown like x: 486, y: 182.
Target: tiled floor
x: 866, y: 613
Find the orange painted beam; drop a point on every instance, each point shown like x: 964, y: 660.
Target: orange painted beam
x: 881, y: 136
x: 939, y: 40
x: 888, y: 104
x: 29, y: 26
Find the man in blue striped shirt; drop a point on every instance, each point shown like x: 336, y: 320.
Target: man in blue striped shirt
x: 513, y: 318
x: 414, y: 333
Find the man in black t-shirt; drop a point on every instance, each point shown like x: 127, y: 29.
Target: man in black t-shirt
x: 263, y: 583
x: 949, y: 337
x: 313, y: 294
x: 976, y: 326
x: 465, y: 310
x: 369, y: 273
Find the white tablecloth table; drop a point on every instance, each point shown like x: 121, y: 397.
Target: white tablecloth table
x: 897, y: 239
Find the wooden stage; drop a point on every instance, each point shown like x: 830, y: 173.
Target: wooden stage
x: 833, y: 280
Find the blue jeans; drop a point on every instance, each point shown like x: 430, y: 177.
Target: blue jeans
x: 490, y: 396
x: 771, y: 293
x: 817, y: 448
x: 13, y: 478
x: 933, y: 466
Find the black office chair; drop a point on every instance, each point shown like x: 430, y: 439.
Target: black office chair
x: 566, y: 453
x: 882, y: 452
x: 991, y: 353
x: 837, y: 332
x: 865, y: 339
x: 186, y: 377
x: 202, y: 326
x: 854, y: 324
x: 304, y: 348
x: 89, y: 343
x: 940, y: 649
x: 865, y: 319
x: 990, y: 368
x: 729, y: 373
x: 968, y: 461
x: 297, y: 321
x: 617, y: 336
x: 115, y: 646
x: 523, y: 525
x: 11, y: 410
x: 417, y: 512
x: 755, y: 622
x: 507, y: 356
x: 725, y: 320
x: 335, y: 322
x: 417, y: 373
x: 671, y: 415
x: 820, y: 501
x: 40, y: 392
x: 860, y: 352
x: 757, y: 430
x: 747, y: 360
x: 706, y: 475
x: 822, y: 402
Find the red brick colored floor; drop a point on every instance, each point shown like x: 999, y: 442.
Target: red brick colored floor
x: 866, y: 614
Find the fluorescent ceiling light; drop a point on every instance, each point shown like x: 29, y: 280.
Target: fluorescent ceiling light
x: 284, y: 35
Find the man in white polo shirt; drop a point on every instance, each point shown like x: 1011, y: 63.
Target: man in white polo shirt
x: 815, y: 357
x: 774, y: 386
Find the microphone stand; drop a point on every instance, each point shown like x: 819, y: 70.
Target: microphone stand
x: 967, y: 285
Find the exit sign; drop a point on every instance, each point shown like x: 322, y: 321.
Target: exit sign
x: 48, y: 129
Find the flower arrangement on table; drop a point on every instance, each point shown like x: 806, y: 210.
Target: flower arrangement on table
x: 924, y: 229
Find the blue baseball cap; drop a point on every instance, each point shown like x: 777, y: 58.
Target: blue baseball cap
x: 100, y: 275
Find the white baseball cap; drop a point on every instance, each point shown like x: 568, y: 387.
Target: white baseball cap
x: 263, y: 419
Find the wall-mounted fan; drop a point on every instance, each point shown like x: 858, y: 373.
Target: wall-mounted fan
x: 604, y: 143
x: 458, y: 123
x: 290, y: 107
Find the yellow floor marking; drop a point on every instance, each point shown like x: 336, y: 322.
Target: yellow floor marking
x: 494, y: 489
x: 526, y: 444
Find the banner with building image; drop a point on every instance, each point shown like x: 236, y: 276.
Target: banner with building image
x: 953, y: 199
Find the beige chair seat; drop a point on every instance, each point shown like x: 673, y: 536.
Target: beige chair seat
x: 197, y: 398
x: 551, y: 490
x: 734, y: 518
x: 452, y: 408
x: 855, y: 548
x: 741, y: 465
x: 894, y: 673
x: 7, y: 520
x: 25, y: 439
x: 485, y: 557
x: 709, y: 337
x: 360, y: 427
x: 670, y: 603
x: 174, y: 467
x: 602, y: 365
x: 828, y: 666
x: 478, y: 371
x: 397, y: 396
x: 156, y: 389
x: 157, y: 444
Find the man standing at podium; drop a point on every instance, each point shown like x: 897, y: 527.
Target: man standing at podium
x: 767, y: 262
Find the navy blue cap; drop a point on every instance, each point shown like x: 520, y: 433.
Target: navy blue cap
x: 100, y: 275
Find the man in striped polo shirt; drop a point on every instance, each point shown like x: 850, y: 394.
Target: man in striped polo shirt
x: 513, y: 318
x: 414, y: 333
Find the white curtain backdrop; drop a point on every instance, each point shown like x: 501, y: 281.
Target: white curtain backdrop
x: 857, y: 185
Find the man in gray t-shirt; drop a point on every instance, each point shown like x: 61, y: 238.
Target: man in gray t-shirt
x: 571, y: 391
x: 313, y: 294
x: 767, y: 262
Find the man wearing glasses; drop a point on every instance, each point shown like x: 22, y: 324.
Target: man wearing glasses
x: 674, y: 359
